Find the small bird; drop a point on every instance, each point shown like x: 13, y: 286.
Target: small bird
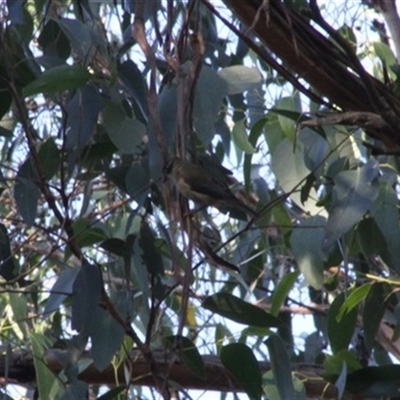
x: 196, y: 183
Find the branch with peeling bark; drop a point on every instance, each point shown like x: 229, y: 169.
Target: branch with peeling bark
x: 330, y: 69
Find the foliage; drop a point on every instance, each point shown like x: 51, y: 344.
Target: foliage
x: 99, y: 252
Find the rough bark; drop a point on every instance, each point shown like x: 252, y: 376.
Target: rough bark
x: 332, y: 70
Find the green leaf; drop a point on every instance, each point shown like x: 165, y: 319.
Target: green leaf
x: 85, y: 235
x: 210, y: 90
x: 132, y: 78
x: 7, y: 265
x: 189, y: 352
x: 373, y: 311
x: 386, y: 215
x: 221, y: 333
x: 137, y: 182
x: 281, y: 367
x: 19, y: 309
x: 271, y: 390
x: 333, y: 364
x: 288, y: 125
x: 125, y: 133
x: 355, y: 297
x: 79, y: 35
x: 107, y: 335
x: 282, y: 290
x: 340, y: 331
x: 341, y: 380
x: 26, y: 195
x: 255, y: 133
x: 370, y: 239
x: 316, y: 149
x: 58, y: 79
x: 306, y: 241
x: 385, y: 53
x: 86, y: 297
x: 62, y: 288
x: 82, y: 116
x: 150, y: 253
x: 282, y: 218
x: 237, y: 310
x: 289, y: 168
x: 240, y: 138
x: 273, y: 132
x: 50, y: 157
x: 16, y: 11
x: 349, y: 35
x: 48, y: 384
x: 54, y: 42
x: 115, y: 246
x: 243, y: 365
x: 240, y: 78
x: 354, y: 193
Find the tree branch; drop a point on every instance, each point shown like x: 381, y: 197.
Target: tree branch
x: 21, y: 370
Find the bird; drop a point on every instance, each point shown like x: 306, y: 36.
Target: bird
x: 199, y: 184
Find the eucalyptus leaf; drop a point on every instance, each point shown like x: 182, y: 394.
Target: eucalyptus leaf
x: 58, y: 79
x: 282, y: 290
x: 353, y: 300
x: 354, y: 194
x: 374, y: 310
x: 281, y: 368
x: 290, y: 169
x: 247, y: 371
x: 133, y: 80
x: 340, y: 331
x: 386, y: 215
x: 306, y: 241
x: 240, y: 78
x: 7, y: 265
x: 125, y: 133
x: 237, y: 310
x: 26, y: 195
x: 86, y: 295
x: 79, y: 36
x: 240, y: 138
x: 46, y: 381
x: 49, y: 155
x: 82, y: 115
x: 62, y: 288
x: 106, y: 334
x: 210, y: 90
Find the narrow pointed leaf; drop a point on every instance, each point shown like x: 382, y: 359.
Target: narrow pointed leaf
x: 282, y: 290
x: 237, y: 310
x: 354, y: 194
x: 281, y: 367
x: 340, y: 331
x: 58, y: 79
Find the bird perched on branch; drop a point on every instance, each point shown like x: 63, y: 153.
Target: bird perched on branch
x: 197, y: 183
